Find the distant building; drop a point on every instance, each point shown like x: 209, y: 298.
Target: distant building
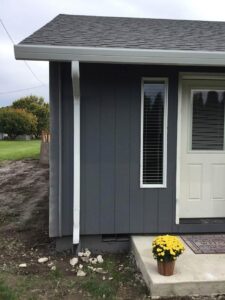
x: 23, y: 137
x: 3, y: 136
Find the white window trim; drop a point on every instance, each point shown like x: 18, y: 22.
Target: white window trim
x: 165, y: 126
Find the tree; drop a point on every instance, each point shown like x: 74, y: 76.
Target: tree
x: 15, y: 122
x: 37, y: 107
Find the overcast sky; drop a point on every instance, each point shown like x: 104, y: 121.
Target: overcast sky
x: 23, y: 17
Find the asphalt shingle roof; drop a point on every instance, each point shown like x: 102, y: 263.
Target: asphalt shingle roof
x: 136, y: 33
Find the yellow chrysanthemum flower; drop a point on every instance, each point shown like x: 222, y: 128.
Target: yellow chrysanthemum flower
x: 167, y: 246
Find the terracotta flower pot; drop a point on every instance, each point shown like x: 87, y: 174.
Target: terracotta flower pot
x: 166, y: 268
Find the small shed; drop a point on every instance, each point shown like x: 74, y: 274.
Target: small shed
x: 137, y: 125
x: 3, y: 136
x: 23, y: 137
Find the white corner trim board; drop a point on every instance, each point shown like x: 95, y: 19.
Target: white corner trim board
x: 119, y: 55
x: 76, y: 167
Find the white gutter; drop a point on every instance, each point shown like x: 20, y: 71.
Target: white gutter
x: 119, y: 55
x: 76, y: 163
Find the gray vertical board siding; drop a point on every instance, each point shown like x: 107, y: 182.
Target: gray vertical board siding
x: 90, y: 153
x: 107, y: 155
x: 113, y: 197
x: 151, y: 205
x: 122, y: 153
x: 83, y: 156
x: 166, y: 197
x: 54, y: 149
x: 61, y: 150
x: 112, y: 201
x: 67, y: 109
x: 136, y: 207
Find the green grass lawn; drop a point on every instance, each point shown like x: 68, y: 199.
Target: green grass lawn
x: 15, y: 150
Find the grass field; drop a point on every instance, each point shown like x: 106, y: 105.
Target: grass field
x: 15, y: 150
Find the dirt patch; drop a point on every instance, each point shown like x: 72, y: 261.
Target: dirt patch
x: 23, y: 214
x: 24, y: 195
x: 24, y: 239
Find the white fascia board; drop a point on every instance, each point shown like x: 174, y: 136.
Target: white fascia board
x: 119, y: 55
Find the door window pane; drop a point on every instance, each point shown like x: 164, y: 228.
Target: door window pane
x: 208, y: 120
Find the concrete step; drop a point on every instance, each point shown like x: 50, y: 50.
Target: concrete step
x: 195, y: 274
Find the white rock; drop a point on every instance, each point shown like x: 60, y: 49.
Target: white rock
x: 85, y: 259
x: 80, y: 266
x: 87, y: 253
x: 93, y: 261
x: 103, y: 278
x: 53, y: 268
x: 42, y: 260
x: 91, y: 268
x: 50, y: 264
x: 81, y: 273
x: 100, y: 259
x: 23, y: 265
x: 110, y: 278
x: 100, y: 271
x: 80, y: 254
x: 73, y: 261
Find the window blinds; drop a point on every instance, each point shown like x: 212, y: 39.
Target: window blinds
x: 153, y: 132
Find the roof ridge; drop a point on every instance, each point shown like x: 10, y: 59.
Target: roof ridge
x: 141, y: 18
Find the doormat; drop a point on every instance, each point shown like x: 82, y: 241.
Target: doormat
x: 205, y: 243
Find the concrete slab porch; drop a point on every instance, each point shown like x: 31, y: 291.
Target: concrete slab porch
x: 195, y: 274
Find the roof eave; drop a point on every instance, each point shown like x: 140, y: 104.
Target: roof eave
x: 119, y: 55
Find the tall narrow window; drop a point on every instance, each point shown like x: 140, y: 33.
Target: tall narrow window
x: 154, y: 124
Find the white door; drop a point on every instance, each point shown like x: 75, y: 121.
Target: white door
x: 202, y: 151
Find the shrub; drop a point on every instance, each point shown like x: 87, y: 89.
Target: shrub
x: 16, y: 122
x: 37, y: 107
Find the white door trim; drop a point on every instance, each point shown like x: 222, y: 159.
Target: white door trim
x: 182, y: 77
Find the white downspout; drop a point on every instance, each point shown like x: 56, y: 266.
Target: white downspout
x: 76, y: 165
